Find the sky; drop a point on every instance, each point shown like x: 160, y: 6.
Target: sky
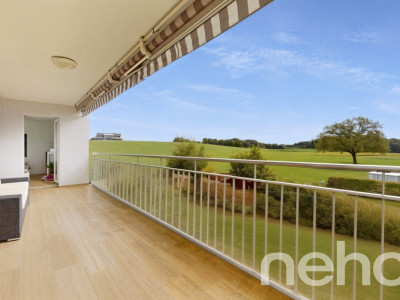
x: 279, y: 76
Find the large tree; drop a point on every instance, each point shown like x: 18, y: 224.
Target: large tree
x: 353, y: 136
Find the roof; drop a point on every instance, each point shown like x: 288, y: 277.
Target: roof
x: 386, y: 174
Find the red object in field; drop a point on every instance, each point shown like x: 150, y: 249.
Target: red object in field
x: 48, y: 178
x: 219, y: 178
x: 248, y: 185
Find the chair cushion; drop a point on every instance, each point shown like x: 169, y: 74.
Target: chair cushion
x: 15, y: 188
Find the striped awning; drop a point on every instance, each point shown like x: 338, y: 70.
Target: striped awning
x: 203, y: 21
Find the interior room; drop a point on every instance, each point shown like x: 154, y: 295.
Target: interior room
x: 40, y: 151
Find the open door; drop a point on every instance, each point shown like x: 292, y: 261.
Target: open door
x: 56, y: 146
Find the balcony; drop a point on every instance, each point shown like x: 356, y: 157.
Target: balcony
x: 145, y: 230
x: 79, y: 243
x: 242, y: 220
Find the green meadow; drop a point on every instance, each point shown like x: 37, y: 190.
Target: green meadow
x: 298, y: 175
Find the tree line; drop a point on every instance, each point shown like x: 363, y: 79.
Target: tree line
x: 235, y: 142
x: 394, y: 145
x: 354, y: 135
x: 248, y: 143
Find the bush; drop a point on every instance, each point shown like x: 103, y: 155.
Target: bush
x: 248, y: 210
x: 209, y: 169
x: 247, y: 170
x: 180, y: 139
x: 188, y: 148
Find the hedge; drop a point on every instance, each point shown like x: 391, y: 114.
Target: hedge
x: 369, y: 213
x: 364, y: 185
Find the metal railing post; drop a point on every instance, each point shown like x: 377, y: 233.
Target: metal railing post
x: 254, y: 215
x: 382, y: 232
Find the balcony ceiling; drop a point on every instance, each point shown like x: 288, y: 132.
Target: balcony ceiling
x: 94, y: 33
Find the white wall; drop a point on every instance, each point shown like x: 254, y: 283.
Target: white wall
x: 73, y: 142
x: 40, y: 137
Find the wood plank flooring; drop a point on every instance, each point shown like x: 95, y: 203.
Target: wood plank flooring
x: 79, y: 243
x: 35, y: 181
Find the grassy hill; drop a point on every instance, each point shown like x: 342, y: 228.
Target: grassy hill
x: 299, y: 175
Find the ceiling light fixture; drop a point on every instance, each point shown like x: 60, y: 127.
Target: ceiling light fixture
x: 64, y: 63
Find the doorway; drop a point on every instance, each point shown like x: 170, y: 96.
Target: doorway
x: 40, y: 151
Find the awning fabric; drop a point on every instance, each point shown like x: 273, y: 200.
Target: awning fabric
x: 215, y: 24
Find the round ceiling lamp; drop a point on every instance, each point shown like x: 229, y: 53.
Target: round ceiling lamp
x: 64, y: 63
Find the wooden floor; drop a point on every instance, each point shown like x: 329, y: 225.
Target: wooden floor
x: 35, y: 181
x: 79, y: 243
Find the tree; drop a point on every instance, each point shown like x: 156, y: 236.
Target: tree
x: 353, y: 136
x: 306, y: 144
x: 394, y: 145
x: 180, y: 139
x: 247, y: 170
x: 187, y: 148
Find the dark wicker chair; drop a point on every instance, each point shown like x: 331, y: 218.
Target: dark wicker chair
x: 12, y: 212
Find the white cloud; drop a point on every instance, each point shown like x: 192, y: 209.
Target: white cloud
x: 184, y: 104
x: 109, y: 121
x: 119, y: 121
x: 389, y: 107
x: 354, y: 108
x: 395, y: 90
x: 285, y: 38
x: 363, y: 36
x: 212, y: 89
x: 233, y: 61
x: 284, y: 62
x: 389, y: 100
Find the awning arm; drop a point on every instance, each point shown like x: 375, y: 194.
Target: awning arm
x: 181, y: 5
x: 145, y: 52
x: 111, y: 79
x: 143, y: 48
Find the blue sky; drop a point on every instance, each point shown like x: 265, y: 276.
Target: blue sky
x: 278, y: 77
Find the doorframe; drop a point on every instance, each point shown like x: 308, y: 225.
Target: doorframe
x: 56, y: 147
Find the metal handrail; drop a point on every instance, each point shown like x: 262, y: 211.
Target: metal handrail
x: 288, y: 184
x: 331, y: 166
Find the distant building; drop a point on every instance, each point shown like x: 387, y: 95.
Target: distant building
x: 389, y: 177
x: 107, y: 137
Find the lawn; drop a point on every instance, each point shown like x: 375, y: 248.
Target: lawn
x: 298, y: 175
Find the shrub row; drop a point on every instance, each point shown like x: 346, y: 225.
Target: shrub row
x: 368, y: 220
x: 364, y: 185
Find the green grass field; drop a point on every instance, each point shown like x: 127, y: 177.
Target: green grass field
x: 298, y: 175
